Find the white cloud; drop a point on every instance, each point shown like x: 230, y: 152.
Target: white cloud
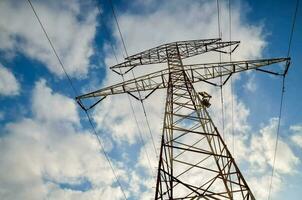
x: 260, y: 185
x: 251, y: 85
x: 40, y: 153
x: 179, y: 20
x: 71, y: 27
x: 2, y: 115
x: 297, y: 139
x: 51, y: 106
x: 9, y: 86
x: 297, y: 136
x: 263, y: 147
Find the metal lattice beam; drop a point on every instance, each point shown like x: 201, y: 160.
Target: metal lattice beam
x: 196, y: 73
x: 161, y: 53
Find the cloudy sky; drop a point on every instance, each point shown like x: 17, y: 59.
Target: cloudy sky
x: 47, y: 148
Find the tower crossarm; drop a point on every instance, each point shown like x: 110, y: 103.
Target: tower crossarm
x: 207, y: 71
x: 195, y: 72
x: 161, y: 53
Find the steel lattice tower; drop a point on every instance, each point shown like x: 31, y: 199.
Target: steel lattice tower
x: 194, y: 161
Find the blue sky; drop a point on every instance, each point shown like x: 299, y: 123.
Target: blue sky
x: 45, y: 139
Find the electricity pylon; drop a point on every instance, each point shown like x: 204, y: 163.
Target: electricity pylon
x: 194, y: 161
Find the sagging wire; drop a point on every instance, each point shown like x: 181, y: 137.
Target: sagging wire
x: 75, y: 93
x: 141, y: 101
x: 232, y: 88
x: 220, y: 60
x: 282, y: 98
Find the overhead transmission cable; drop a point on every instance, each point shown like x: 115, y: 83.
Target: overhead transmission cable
x: 141, y: 139
x: 232, y: 88
x: 221, y: 85
x: 141, y: 101
x: 75, y: 93
x: 220, y: 60
x: 126, y: 52
x: 53, y: 48
x: 282, y: 99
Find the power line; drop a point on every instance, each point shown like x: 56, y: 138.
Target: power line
x: 52, y: 47
x: 106, y: 155
x: 75, y: 92
x: 292, y: 28
x: 148, y: 125
x: 126, y: 52
x: 232, y: 99
x: 221, y: 85
x: 118, y: 27
x: 218, y: 18
x: 277, y: 137
x: 282, y: 98
x: 220, y: 60
x: 232, y: 88
x: 141, y: 138
x: 131, y: 105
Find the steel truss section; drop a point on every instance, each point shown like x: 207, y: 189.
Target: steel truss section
x: 196, y: 73
x: 194, y: 161
x: 161, y: 53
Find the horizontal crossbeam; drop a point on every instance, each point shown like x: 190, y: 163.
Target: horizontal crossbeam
x: 161, y: 53
x: 195, y: 72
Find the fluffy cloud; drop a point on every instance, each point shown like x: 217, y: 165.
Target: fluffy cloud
x: 251, y: 84
x: 297, y: 136
x: 9, y: 86
x: 44, y: 99
x: 259, y: 155
x: 260, y: 185
x: 71, y: 27
x: 46, y: 156
x: 178, y: 20
x: 263, y: 146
